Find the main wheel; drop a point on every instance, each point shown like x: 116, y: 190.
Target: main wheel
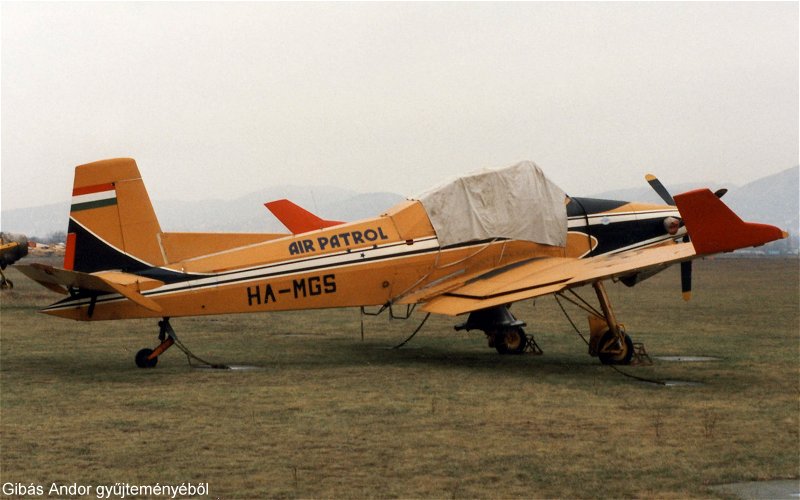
x: 142, y: 361
x: 511, y: 341
x: 613, y: 352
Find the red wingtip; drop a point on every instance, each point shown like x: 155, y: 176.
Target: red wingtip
x: 715, y: 228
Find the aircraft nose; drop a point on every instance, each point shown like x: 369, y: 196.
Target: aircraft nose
x: 672, y: 225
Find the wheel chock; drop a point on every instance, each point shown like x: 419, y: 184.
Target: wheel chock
x: 640, y: 356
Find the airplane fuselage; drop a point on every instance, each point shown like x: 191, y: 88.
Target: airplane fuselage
x: 395, y: 258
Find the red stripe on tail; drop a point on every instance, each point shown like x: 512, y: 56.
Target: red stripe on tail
x: 99, y: 188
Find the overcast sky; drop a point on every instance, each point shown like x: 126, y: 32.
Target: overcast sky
x: 221, y: 99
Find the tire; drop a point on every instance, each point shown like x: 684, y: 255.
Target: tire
x: 624, y: 354
x: 143, y: 362
x: 511, y: 341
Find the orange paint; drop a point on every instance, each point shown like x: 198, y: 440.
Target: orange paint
x: 715, y: 228
x: 69, y: 255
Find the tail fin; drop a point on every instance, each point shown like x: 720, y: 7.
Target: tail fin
x: 296, y: 218
x: 112, y: 224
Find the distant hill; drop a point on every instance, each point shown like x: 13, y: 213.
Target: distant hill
x: 645, y: 193
x: 244, y: 214
x: 772, y: 199
x: 37, y: 221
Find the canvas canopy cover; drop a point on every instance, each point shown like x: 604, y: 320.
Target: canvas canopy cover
x: 516, y: 202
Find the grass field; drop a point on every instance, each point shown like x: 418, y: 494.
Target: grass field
x: 329, y: 415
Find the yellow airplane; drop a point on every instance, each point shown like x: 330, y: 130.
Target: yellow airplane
x: 471, y: 246
x: 12, y: 248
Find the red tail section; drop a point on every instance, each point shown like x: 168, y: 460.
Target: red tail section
x: 297, y: 219
x: 715, y: 228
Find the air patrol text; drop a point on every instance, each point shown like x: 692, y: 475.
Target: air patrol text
x: 343, y: 239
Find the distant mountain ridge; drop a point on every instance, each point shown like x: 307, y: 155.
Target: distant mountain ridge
x: 243, y: 214
x: 772, y: 199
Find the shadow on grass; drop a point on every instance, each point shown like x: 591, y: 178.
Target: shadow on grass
x: 330, y: 354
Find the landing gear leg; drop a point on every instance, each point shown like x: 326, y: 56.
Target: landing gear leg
x: 148, y: 358
x: 609, y: 342
x: 5, y: 282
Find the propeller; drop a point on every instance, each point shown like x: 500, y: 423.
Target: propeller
x: 686, y: 267
x: 660, y: 189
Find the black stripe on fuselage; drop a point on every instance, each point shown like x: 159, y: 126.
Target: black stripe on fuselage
x: 612, y: 234
x: 92, y: 254
x: 616, y: 235
x: 578, y: 207
x: 307, y: 265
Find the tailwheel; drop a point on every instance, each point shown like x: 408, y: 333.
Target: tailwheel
x: 148, y: 358
x: 510, y: 340
x: 615, y: 349
x: 142, y: 360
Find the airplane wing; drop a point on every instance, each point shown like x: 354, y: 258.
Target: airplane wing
x: 296, y: 218
x: 713, y: 227
x: 548, y: 275
x: 61, y: 280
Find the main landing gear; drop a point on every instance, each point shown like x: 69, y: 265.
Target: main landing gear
x: 607, y: 340
x: 503, y: 331
x: 148, y: 358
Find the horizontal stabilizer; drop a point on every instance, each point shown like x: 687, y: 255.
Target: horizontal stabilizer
x: 297, y: 219
x: 61, y: 280
x: 715, y: 228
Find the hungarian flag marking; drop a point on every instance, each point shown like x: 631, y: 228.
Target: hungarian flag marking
x: 88, y: 197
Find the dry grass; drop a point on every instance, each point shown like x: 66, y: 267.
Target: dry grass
x: 330, y: 416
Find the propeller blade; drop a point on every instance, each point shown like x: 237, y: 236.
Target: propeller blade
x: 686, y: 280
x: 659, y: 188
x: 686, y: 267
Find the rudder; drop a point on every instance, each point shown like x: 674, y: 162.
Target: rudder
x: 112, y: 224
